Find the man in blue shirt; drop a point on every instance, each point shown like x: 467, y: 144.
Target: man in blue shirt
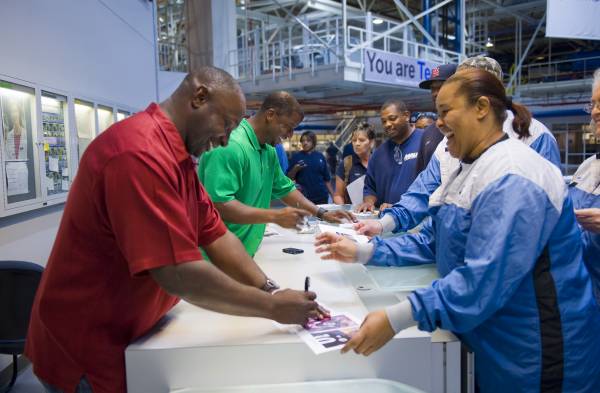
x: 391, y: 169
x: 282, y: 157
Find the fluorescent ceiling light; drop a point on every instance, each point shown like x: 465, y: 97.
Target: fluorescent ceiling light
x: 377, y: 21
x: 451, y: 37
x: 489, y: 43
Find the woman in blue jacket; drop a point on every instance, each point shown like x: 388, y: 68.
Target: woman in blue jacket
x: 413, y: 205
x: 513, y: 284
x: 309, y: 169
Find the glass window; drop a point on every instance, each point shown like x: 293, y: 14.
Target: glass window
x: 19, y: 149
x: 121, y: 115
x: 56, y: 143
x: 105, y: 117
x: 86, y: 124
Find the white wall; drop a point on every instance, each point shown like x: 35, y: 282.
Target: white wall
x: 99, y: 49
x: 223, y: 13
x: 168, y: 82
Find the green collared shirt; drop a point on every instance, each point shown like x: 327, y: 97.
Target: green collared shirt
x: 246, y: 171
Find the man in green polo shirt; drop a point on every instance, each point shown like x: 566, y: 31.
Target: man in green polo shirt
x: 243, y: 177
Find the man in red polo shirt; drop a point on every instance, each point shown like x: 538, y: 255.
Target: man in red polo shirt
x: 127, y: 246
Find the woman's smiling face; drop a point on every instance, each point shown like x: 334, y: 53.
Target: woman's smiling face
x: 457, y: 120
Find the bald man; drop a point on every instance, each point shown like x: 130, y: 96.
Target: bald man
x: 245, y: 176
x: 127, y: 247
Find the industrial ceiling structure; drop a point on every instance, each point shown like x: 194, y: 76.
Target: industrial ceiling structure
x: 313, y: 47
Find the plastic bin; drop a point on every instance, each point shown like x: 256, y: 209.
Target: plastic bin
x: 343, y: 386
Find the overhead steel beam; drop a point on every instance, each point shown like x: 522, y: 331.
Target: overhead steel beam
x: 514, y: 10
x: 305, y: 27
x: 259, y: 16
x: 524, y: 55
x: 401, y: 25
x: 269, y: 6
x: 370, y: 5
x: 402, y: 8
x: 526, y: 5
x: 334, y: 7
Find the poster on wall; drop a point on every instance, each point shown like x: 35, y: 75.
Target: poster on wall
x: 17, y: 178
x: 17, y: 141
x: 573, y: 19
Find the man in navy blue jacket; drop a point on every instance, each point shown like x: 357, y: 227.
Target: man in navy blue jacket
x: 391, y: 168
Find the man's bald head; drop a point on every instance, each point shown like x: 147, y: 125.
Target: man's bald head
x: 206, y: 107
x: 211, y: 77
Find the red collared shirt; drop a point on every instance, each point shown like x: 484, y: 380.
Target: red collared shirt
x: 135, y: 205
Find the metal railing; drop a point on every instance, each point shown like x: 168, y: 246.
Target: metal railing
x: 281, y: 58
x: 325, y: 47
x: 576, y: 143
x: 344, y: 131
x: 562, y: 70
x: 391, y: 43
x: 173, y: 57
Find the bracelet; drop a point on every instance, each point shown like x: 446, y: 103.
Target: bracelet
x: 270, y: 286
x: 320, y: 213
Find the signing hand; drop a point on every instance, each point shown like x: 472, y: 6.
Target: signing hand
x: 338, y: 216
x: 365, y: 207
x: 589, y: 219
x: 295, y: 307
x: 336, y: 247
x: 290, y: 217
x: 374, y: 333
x: 369, y: 227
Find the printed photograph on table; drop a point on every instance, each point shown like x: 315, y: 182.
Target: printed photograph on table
x: 335, y: 322
x: 17, y: 104
x: 334, y: 339
x: 329, y: 334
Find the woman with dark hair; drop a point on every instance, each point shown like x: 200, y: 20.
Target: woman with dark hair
x: 513, y: 284
x: 413, y: 206
x: 308, y: 168
x: 355, y: 165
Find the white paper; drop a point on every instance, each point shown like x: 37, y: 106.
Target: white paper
x: 49, y: 183
x: 53, y: 164
x: 65, y: 172
x: 17, y: 178
x: 355, y: 190
x: 65, y: 185
x: 271, y: 231
x: 331, y: 334
x: 348, y: 232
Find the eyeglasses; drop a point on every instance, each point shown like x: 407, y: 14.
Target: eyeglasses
x: 588, y: 108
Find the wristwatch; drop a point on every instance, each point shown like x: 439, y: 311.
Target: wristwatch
x: 320, y: 213
x: 270, y: 286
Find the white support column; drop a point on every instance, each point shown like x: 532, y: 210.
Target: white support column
x: 369, y: 27
x: 224, y: 35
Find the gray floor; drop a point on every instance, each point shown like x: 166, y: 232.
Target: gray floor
x: 27, y: 383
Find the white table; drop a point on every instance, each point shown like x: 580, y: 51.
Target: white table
x: 196, y: 348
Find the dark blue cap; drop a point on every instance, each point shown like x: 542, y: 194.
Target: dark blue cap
x: 439, y: 73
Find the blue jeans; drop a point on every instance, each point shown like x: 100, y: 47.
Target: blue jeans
x: 83, y: 387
